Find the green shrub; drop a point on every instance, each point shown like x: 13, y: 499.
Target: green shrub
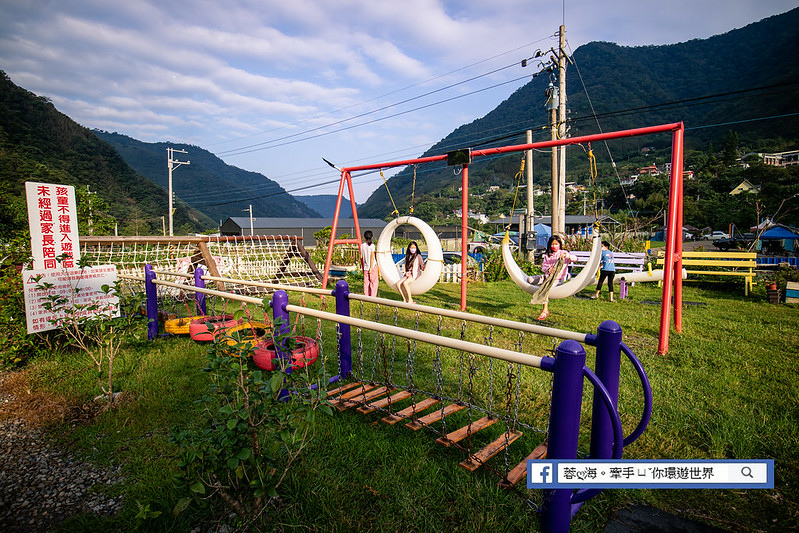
x: 254, y: 431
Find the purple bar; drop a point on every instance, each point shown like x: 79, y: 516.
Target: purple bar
x: 281, y: 320
x: 608, y: 366
x: 564, y: 429
x: 152, y: 302
x: 199, y: 298
x: 342, y: 293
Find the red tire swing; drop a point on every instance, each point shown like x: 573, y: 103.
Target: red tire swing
x: 206, y: 328
x: 305, y: 353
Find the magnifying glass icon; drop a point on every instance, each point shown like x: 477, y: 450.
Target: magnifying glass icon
x: 747, y: 472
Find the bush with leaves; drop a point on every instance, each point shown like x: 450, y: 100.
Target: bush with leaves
x: 255, y: 428
x: 16, y: 346
x: 494, y: 268
x: 92, y: 327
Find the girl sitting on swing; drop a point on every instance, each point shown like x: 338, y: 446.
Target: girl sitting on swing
x: 552, y: 273
x: 414, y: 265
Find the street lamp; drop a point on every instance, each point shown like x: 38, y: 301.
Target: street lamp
x: 252, y: 232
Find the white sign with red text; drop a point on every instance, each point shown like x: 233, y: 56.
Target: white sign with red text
x: 53, y: 221
x: 82, y: 287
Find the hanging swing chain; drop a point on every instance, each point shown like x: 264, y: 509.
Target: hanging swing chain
x: 593, y: 173
x: 490, y: 342
x: 394, y: 344
x: 460, y: 363
x: 360, y: 343
x: 437, y: 368
x: 378, y: 343
x: 518, y: 178
x: 396, y: 211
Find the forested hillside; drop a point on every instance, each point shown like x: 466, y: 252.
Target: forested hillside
x: 713, y: 85
x: 208, y: 172
x: 38, y: 143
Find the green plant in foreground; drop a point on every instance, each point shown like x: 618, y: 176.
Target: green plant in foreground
x: 255, y: 430
x: 93, y: 327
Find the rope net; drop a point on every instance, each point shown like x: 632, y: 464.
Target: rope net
x: 266, y: 258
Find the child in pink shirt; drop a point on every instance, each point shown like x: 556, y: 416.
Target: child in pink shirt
x: 554, y: 252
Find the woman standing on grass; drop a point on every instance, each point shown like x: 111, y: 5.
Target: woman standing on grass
x: 553, y: 273
x: 414, y: 265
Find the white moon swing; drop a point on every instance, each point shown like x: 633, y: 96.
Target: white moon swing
x: 435, y: 255
x: 570, y: 288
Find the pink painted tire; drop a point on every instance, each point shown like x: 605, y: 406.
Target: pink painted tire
x: 205, y: 329
x: 306, y: 353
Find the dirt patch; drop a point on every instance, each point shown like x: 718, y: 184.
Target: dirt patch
x: 18, y: 399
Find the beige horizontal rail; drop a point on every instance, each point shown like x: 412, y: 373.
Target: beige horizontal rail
x: 212, y: 292
x: 168, y: 273
x: 481, y: 319
x: 309, y: 290
x: 466, y: 346
x: 134, y: 278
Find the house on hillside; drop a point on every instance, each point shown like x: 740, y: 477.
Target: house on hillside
x: 745, y: 187
x: 300, y: 227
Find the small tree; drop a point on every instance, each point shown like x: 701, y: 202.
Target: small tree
x: 255, y: 428
x: 93, y: 328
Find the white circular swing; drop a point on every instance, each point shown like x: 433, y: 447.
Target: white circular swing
x: 570, y: 288
x: 435, y: 255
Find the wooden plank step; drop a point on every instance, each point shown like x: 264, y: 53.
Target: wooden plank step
x: 460, y: 434
x: 410, y: 410
x: 345, y: 387
x: 477, y: 459
x: 362, y: 398
x: 365, y: 387
x: 357, y: 391
x: 519, y: 472
x: 435, y: 416
x: 385, y: 402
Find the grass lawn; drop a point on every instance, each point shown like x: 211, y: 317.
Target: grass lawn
x: 726, y: 389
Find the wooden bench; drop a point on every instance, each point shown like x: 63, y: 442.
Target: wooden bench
x: 742, y: 264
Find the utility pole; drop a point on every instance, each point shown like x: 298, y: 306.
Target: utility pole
x: 552, y: 107
x: 562, y: 130
x: 529, y: 225
x: 89, y: 199
x: 252, y: 232
x: 172, y: 164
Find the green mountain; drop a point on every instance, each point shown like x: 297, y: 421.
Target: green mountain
x: 727, y: 82
x: 325, y: 204
x: 38, y: 143
x: 208, y: 172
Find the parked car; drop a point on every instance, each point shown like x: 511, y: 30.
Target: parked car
x: 716, y: 235
x: 733, y: 243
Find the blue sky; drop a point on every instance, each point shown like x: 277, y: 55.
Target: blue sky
x: 275, y: 85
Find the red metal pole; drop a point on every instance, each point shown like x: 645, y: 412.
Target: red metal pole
x: 344, y: 177
x: 354, y: 212
x: 678, y: 142
x: 671, y: 240
x: 464, y: 230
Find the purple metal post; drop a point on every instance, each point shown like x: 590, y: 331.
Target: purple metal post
x: 152, y: 302
x: 564, y: 429
x: 280, y: 318
x: 345, y: 343
x: 608, y: 365
x: 199, y: 298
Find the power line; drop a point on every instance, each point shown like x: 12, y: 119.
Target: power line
x: 395, y: 92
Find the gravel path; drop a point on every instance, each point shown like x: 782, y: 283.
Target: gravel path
x: 40, y: 484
